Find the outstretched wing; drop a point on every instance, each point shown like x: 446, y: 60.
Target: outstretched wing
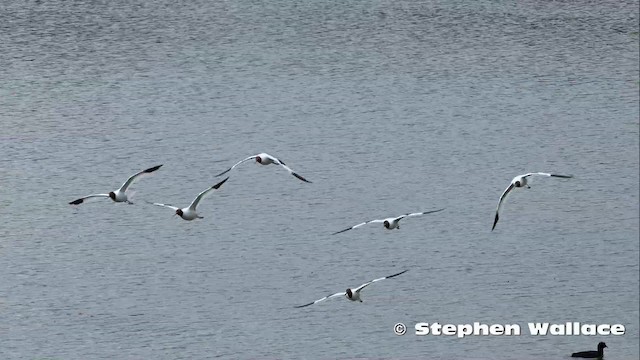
x: 378, y: 279
x: 323, y: 299
x: 236, y: 164
x: 417, y: 214
x: 292, y: 172
x: 357, y: 226
x: 166, y: 205
x: 547, y: 174
x: 134, y: 178
x: 502, y: 198
x: 83, y: 199
x: 200, y: 196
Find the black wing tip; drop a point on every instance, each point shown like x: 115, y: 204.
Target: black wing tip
x: 341, y: 231
x: 495, y: 222
x: 152, y: 169
x: 217, y: 186
x: 300, y: 177
x: 76, y: 202
x: 400, y: 273
x: 305, y: 305
x: 562, y: 176
x: 224, y: 172
x: 432, y: 211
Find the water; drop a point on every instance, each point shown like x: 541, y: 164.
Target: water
x: 387, y: 106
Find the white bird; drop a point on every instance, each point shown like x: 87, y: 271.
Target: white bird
x: 517, y: 182
x: 352, y: 294
x: 389, y: 223
x: 189, y: 213
x: 265, y: 159
x: 119, y: 195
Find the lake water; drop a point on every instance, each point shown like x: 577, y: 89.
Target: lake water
x: 388, y: 107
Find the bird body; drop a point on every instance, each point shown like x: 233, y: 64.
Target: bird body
x: 593, y: 354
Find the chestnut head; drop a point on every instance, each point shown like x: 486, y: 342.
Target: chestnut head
x: 349, y: 294
x: 258, y: 159
x: 386, y: 224
x: 112, y: 195
x: 179, y: 212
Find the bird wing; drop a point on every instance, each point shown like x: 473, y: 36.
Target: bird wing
x: 82, y: 199
x: 166, y: 205
x: 417, y: 214
x: 547, y: 174
x: 357, y: 226
x: 200, y: 196
x: 292, y: 172
x: 502, y: 198
x: 137, y: 176
x: 323, y: 299
x: 378, y: 279
x: 236, y: 164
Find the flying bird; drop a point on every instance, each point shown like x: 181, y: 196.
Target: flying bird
x: 352, y: 294
x: 266, y: 159
x: 189, y: 213
x: 119, y: 195
x: 518, y: 182
x: 389, y: 223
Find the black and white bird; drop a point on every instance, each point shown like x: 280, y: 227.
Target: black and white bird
x: 266, y: 159
x: 518, y: 182
x: 189, y: 213
x: 389, y: 223
x: 592, y: 354
x: 353, y: 294
x: 119, y: 195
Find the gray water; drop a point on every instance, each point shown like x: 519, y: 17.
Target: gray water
x: 387, y: 106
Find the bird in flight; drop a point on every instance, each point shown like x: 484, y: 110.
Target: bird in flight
x: 389, y: 223
x: 518, y: 182
x: 352, y: 294
x: 119, y: 195
x: 189, y: 213
x: 266, y: 159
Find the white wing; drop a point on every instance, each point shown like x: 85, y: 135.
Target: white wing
x: 502, y: 198
x: 292, y: 172
x: 378, y: 279
x: 82, y: 199
x: 166, y: 205
x: 200, y: 196
x: 357, y: 226
x: 238, y: 163
x: 547, y: 174
x: 323, y: 299
x: 137, y: 176
x: 417, y: 214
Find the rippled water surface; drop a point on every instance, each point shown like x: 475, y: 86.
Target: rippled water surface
x: 387, y: 107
